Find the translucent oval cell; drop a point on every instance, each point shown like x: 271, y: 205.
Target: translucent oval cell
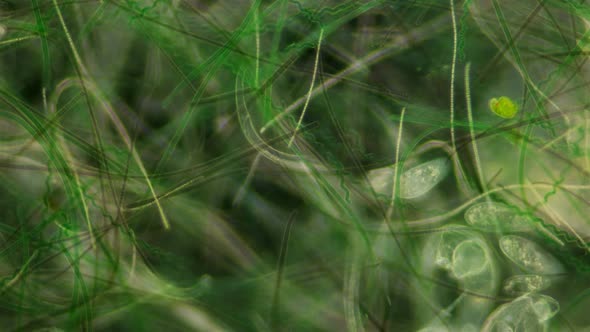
x: 492, y: 216
x: 545, y: 307
x: 529, y: 256
x: 2, y: 31
x: 469, y: 258
x: 522, y: 284
x: 529, y: 312
x: 381, y: 179
x: 419, y: 180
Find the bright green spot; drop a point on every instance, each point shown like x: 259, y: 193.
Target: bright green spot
x: 503, y: 107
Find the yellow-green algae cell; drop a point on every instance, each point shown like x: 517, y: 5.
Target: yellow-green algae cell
x: 503, y: 107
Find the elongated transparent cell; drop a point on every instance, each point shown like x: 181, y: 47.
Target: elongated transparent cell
x: 492, y: 216
x: 529, y: 256
x: 522, y: 284
x: 420, y: 179
x: 529, y: 312
x: 415, y: 182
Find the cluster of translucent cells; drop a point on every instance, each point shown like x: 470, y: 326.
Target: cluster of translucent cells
x: 468, y: 258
